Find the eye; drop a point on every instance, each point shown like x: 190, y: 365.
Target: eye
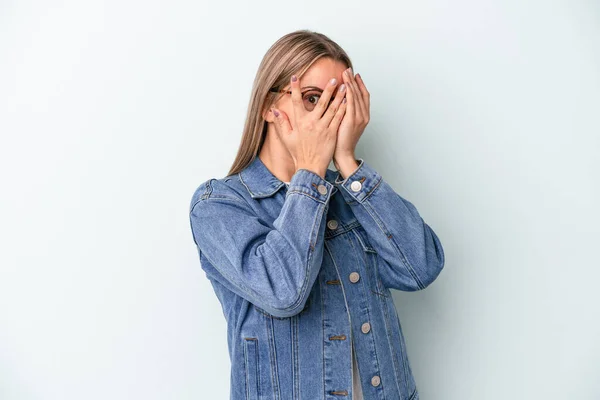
x: 311, y: 99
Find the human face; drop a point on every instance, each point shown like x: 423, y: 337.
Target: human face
x: 312, y: 84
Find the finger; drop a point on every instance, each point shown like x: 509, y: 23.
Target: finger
x: 360, y: 107
x: 361, y: 114
x: 334, y: 106
x: 282, y: 123
x: 339, y: 115
x: 297, y: 104
x: 363, y: 89
x: 324, y: 99
x: 351, y: 110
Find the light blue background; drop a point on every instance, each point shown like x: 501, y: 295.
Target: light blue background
x: 485, y: 115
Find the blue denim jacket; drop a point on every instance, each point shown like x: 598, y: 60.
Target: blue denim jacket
x: 305, y: 270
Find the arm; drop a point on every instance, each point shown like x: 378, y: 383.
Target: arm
x: 271, y: 267
x: 412, y: 252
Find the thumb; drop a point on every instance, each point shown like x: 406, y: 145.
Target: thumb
x: 282, y: 122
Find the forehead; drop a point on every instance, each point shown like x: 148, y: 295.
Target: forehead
x: 321, y: 72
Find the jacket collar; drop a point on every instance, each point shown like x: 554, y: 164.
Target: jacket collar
x: 261, y: 182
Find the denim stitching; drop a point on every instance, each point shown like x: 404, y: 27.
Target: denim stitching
x: 249, y: 364
x: 364, y: 245
x: 344, y: 294
x: 405, y: 361
x: 220, y: 197
x: 413, y: 396
x: 273, y: 358
x: 247, y: 386
x: 391, y: 347
x: 369, y: 318
x: 322, y: 333
x: 290, y: 191
x: 384, y: 230
x: 341, y: 229
x: 368, y: 312
x: 372, y: 265
x: 314, y: 232
x: 375, y: 186
x: 207, y: 188
x: 295, y: 356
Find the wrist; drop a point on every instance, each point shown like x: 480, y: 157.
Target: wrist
x: 346, y: 165
x: 343, y: 158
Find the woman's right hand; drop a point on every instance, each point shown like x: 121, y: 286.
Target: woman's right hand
x: 312, y: 135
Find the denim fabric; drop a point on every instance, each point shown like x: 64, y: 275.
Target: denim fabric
x: 301, y: 270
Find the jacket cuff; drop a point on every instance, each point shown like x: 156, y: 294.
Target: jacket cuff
x: 359, y: 185
x: 310, y: 183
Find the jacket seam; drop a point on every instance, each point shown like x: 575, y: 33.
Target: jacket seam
x: 366, y: 259
x: 291, y: 191
x: 367, y: 311
x: 394, y: 354
x: 371, y: 210
x: 273, y: 358
x: 311, y: 250
x: 413, y: 396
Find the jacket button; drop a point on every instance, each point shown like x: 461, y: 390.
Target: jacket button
x: 375, y: 381
x: 356, y: 186
x: 366, y: 327
x: 354, y: 277
x: 332, y: 224
x: 322, y: 189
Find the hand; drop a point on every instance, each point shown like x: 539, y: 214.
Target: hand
x: 312, y: 138
x: 355, y: 120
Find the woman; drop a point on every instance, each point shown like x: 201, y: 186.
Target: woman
x: 302, y: 258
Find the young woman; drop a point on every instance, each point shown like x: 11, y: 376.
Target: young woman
x: 302, y: 258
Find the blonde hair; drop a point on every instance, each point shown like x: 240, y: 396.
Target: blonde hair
x: 292, y: 54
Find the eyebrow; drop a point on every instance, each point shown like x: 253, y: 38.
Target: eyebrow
x: 312, y: 87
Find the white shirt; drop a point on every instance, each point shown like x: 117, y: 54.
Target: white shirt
x: 356, y: 387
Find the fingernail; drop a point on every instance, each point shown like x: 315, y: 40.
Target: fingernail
x: 294, y: 78
x: 344, y: 101
x: 358, y: 76
x: 276, y: 112
x: 333, y: 81
x: 342, y: 87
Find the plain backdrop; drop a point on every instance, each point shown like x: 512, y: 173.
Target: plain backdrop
x: 484, y: 114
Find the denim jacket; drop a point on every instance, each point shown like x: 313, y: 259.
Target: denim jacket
x: 303, y: 271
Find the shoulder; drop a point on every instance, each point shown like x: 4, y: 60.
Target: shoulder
x: 226, y: 188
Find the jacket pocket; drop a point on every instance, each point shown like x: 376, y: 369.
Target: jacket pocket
x: 371, y: 258
x: 251, y: 364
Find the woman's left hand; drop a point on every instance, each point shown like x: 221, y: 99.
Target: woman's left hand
x: 355, y: 120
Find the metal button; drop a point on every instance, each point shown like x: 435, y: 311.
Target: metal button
x: 322, y: 189
x: 375, y: 381
x: 332, y: 224
x: 356, y: 186
x: 366, y: 327
x: 354, y: 277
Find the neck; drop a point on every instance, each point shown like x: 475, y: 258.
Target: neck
x: 276, y: 157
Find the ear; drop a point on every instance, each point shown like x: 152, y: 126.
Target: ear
x: 268, y: 115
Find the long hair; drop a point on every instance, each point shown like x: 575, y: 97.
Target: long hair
x: 292, y: 54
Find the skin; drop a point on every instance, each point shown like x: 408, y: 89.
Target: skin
x: 274, y: 153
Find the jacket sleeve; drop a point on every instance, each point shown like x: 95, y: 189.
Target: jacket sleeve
x: 412, y: 253
x: 273, y: 267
